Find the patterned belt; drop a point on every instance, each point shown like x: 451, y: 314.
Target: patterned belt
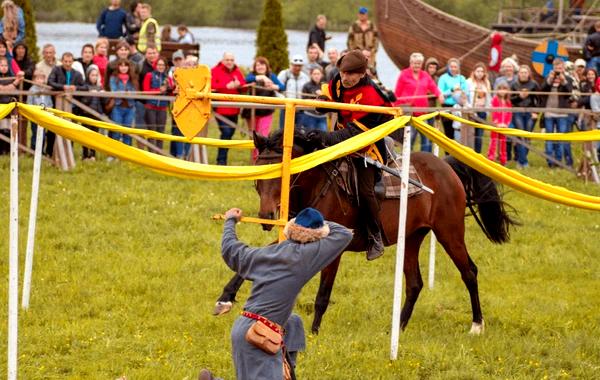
x: 272, y: 325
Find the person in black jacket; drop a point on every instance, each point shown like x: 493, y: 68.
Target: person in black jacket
x: 21, y: 56
x: 559, y: 86
x: 317, y: 36
x: 145, y: 67
x: 312, y: 89
x: 63, y: 78
x: 591, y: 48
x: 521, y: 97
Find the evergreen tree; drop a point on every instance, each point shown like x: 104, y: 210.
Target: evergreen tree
x: 30, y: 36
x: 271, y: 40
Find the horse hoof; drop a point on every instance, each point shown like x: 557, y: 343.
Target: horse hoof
x: 222, y: 308
x: 477, y: 328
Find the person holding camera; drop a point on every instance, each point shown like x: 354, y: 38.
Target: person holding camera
x: 559, y: 86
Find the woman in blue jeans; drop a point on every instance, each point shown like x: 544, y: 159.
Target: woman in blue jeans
x: 557, y: 83
x: 312, y: 89
x: 521, y: 97
x: 123, y: 111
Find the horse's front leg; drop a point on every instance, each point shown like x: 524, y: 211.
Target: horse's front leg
x: 323, y: 295
x: 227, y: 298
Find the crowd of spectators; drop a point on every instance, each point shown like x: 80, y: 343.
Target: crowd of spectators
x: 569, y: 85
x: 137, y: 65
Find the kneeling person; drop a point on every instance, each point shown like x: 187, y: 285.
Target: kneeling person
x: 278, y: 273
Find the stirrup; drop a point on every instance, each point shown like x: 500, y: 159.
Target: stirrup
x: 375, y: 248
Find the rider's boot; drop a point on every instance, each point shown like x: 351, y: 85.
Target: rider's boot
x: 375, y: 242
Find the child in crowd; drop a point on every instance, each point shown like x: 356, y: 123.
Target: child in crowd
x: 185, y: 36
x: 39, y: 79
x: 7, y: 83
x: 176, y: 148
x: 13, y: 67
x: 462, y: 133
x: 123, y: 111
x: 310, y: 90
x: 101, y: 57
x: 191, y: 61
x: 157, y: 82
x: 93, y: 84
x: 501, y: 119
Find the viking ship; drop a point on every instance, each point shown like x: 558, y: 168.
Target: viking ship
x: 407, y: 26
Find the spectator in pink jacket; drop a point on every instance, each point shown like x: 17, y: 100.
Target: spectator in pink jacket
x: 413, y: 88
x: 227, y: 79
x: 501, y: 119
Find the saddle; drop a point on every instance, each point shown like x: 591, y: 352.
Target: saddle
x: 387, y: 188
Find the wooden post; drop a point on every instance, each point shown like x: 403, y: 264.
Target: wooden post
x: 202, y: 149
x: 400, y: 245
x: 22, y: 122
x: 13, y: 266
x: 561, y: 9
x: 35, y: 186
x: 288, y: 143
x: 63, y: 150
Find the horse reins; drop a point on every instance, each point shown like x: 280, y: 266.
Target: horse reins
x: 324, y: 189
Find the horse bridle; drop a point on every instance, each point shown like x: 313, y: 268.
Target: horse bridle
x: 330, y: 179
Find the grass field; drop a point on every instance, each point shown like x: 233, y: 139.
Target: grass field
x: 127, y: 269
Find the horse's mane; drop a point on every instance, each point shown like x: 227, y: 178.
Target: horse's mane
x: 274, y: 142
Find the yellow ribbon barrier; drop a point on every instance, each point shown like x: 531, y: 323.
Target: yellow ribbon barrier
x: 571, y: 136
x: 6, y: 109
x: 185, y: 169
x: 243, y: 144
x: 506, y: 176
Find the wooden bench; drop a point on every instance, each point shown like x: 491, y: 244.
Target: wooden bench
x: 167, y: 48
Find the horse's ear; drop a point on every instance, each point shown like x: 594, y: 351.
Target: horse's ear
x: 260, y: 142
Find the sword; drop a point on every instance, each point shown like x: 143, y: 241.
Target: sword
x: 396, y: 173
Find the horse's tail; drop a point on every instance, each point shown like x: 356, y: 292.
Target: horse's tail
x: 485, y: 202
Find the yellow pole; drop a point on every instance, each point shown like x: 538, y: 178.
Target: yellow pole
x: 296, y: 102
x: 288, y: 144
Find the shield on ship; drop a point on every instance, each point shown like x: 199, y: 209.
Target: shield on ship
x: 545, y: 53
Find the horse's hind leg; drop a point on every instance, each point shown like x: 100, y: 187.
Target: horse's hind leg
x: 323, y: 295
x: 452, y: 238
x: 412, y: 273
x: 227, y: 298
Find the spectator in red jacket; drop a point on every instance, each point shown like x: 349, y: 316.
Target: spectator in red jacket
x: 413, y: 88
x: 227, y: 79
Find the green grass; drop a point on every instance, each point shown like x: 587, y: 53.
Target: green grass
x: 127, y: 270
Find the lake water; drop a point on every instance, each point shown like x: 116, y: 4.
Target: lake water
x: 213, y: 42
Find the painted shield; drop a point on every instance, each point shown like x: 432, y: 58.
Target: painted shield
x: 190, y: 111
x: 545, y: 53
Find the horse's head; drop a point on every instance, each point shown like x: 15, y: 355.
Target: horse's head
x: 270, y: 151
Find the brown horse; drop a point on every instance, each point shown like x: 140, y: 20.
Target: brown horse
x: 455, y: 187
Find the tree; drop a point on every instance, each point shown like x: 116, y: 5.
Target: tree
x: 271, y: 40
x: 30, y: 36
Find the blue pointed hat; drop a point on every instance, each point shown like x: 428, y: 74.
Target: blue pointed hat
x: 309, y: 218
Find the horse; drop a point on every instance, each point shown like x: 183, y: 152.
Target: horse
x: 455, y: 186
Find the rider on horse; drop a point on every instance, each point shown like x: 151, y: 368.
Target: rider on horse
x: 352, y: 85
